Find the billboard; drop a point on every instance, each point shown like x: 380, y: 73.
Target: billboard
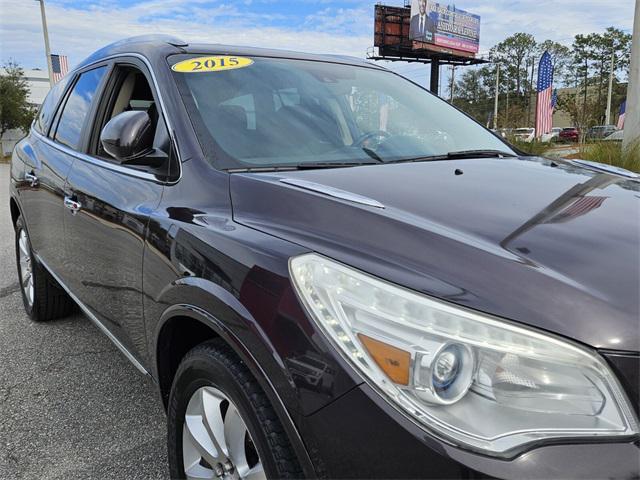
x: 444, y: 26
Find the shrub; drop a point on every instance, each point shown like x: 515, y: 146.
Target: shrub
x: 611, y: 153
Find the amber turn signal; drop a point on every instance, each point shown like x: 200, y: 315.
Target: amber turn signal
x: 393, y: 361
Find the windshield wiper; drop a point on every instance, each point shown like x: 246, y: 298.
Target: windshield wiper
x: 372, y: 153
x: 479, y: 154
x: 378, y: 160
x: 462, y: 154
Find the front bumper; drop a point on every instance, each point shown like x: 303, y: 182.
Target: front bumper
x: 362, y: 436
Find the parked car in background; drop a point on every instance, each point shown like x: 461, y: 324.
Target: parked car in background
x: 551, y: 136
x: 524, y: 134
x: 616, y: 136
x: 317, y: 296
x: 569, y: 134
x: 601, y: 131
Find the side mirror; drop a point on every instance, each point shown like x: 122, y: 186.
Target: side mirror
x: 128, y: 136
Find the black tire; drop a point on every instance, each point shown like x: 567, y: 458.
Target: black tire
x: 215, y: 364
x: 50, y: 301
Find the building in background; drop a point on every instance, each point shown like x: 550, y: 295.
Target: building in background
x: 38, y: 81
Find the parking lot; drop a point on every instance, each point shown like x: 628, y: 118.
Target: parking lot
x: 71, y: 405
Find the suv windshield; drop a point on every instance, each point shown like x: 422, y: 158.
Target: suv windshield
x: 282, y: 112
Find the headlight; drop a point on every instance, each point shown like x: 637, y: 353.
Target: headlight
x: 480, y: 382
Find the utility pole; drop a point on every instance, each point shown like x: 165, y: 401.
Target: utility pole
x: 530, y: 91
x: 47, y: 49
x: 495, y: 103
x: 632, y: 117
x: 507, y: 110
x: 608, y: 115
x: 453, y: 83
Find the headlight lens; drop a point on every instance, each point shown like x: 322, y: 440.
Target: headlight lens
x: 484, y: 383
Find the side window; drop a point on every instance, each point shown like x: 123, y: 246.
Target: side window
x: 77, y: 107
x: 131, y: 91
x: 48, y: 108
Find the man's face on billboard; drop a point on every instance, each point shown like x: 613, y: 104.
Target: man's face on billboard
x: 422, y: 5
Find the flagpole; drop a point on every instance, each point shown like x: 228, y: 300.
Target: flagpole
x: 46, y: 41
x: 632, y: 116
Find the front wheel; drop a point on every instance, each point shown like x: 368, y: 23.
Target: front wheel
x: 220, y: 422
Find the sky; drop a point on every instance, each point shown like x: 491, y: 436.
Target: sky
x: 78, y: 27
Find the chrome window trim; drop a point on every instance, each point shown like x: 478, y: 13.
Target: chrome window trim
x: 106, y: 163
x: 102, y: 163
x: 96, y: 322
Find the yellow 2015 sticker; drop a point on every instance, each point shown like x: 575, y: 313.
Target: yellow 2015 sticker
x: 211, y: 64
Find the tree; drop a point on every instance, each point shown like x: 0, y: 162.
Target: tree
x: 592, y: 64
x: 512, y: 53
x: 619, y: 43
x: 581, y: 116
x: 560, y: 57
x: 585, y: 65
x: 583, y: 56
x: 475, y: 92
x: 15, y: 110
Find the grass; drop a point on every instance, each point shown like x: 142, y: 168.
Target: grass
x: 533, y: 148
x: 611, y: 153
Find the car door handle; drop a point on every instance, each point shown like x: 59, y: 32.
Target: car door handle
x: 31, y: 178
x: 72, y: 205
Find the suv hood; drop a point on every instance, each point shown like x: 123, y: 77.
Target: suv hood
x: 555, y: 246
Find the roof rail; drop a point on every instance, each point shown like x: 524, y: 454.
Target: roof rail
x: 171, y: 40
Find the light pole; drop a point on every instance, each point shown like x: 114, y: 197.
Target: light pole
x: 632, y: 117
x: 610, y: 91
x: 47, y: 49
x: 495, y: 104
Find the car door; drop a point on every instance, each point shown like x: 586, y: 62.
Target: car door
x: 42, y: 178
x: 105, y: 229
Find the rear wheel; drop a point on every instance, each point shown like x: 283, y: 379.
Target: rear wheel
x: 221, y: 424
x: 43, y: 298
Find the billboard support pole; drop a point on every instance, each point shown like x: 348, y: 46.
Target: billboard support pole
x: 435, y: 76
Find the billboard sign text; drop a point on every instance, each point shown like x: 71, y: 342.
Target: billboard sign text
x: 444, y: 26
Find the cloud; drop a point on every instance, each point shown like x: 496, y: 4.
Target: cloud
x: 79, y: 27
x: 77, y: 30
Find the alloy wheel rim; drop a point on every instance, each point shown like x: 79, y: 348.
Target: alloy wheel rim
x: 216, y: 443
x: 26, y: 267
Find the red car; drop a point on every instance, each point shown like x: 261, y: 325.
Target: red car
x: 570, y: 134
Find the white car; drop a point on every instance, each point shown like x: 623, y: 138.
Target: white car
x: 524, y: 134
x: 616, y: 136
x: 551, y: 136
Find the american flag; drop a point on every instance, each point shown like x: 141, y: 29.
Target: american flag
x: 545, y: 104
x: 59, y: 66
x: 580, y: 206
x: 623, y: 109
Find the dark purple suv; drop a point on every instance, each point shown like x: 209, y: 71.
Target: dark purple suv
x: 330, y: 272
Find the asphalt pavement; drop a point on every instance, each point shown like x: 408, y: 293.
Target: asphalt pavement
x: 71, y: 405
